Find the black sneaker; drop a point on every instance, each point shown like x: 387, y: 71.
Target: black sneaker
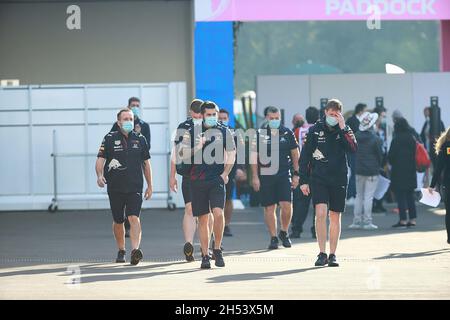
x: 136, y: 256
x: 295, y: 235
x: 285, y: 239
x: 209, y: 253
x: 273, y: 243
x: 332, y: 262
x: 313, y: 232
x: 189, y: 251
x: 213, y: 245
x: 218, y: 258
x: 399, y: 225
x: 322, y: 260
x: 227, y: 232
x: 121, y: 256
x: 409, y: 225
x: 205, y: 262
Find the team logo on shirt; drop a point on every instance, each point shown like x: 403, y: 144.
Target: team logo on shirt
x: 114, y: 164
x: 117, y: 142
x: 318, y: 155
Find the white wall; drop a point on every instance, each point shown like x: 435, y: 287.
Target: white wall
x: 409, y: 93
x: 81, y: 116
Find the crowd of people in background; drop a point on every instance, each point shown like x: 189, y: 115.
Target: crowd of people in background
x: 323, y: 159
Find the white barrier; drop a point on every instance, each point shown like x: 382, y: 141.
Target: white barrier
x: 81, y: 115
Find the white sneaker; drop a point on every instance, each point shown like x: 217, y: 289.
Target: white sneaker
x: 370, y: 226
x: 350, y: 201
x: 354, y: 226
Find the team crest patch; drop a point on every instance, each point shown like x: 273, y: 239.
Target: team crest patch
x: 117, y: 142
x: 318, y: 155
x: 114, y: 164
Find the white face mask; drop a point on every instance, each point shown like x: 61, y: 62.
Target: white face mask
x: 197, y: 122
x: 331, y: 121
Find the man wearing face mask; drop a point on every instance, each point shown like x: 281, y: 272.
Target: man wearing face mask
x: 122, y: 159
x: 212, y: 151
x: 275, y: 188
x: 301, y: 203
x: 323, y: 173
x: 224, y: 118
x: 183, y: 169
x: 140, y: 126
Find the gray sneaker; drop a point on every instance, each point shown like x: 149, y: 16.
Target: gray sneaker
x: 354, y: 226
x: 121, y: 256
x: 370, y: 226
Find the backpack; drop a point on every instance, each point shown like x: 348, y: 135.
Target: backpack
x: 423, y: 161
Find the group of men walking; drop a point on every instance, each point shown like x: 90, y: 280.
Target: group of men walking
x: 206, y: 154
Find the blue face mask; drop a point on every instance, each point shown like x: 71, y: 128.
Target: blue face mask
x: 331, y: 121
x: 274, y: 123
x: 127, y: 126
x: 136, y: 111
x: 210, y: 121
x: 225, y: 123
x: 197, y: 122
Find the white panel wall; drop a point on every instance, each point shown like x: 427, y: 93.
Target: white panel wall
x: 80, y: 115
x: 409, y: 93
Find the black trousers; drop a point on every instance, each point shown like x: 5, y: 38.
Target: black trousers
x: 405, y: 200
x: 300, y: 207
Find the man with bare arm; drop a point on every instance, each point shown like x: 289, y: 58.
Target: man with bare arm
x: 275, y: 187
x: 323, y: 173
x: 184, y: 169
x: 212, y: 149
x: 122, y: 158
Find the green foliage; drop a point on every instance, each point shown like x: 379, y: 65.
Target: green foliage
x: 348, y: 47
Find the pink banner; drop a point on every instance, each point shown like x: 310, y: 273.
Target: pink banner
x: 291, y: 10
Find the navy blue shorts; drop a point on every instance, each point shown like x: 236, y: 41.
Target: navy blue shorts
x: 274, y: 189
x: 207, y: 195
x: 186, y: 189
x: 124, y: 205
x: 333, y: 196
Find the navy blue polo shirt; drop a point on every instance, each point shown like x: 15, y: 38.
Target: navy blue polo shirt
x: 124, y: 159
x: 286, y: 143
x: 219, y: 137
